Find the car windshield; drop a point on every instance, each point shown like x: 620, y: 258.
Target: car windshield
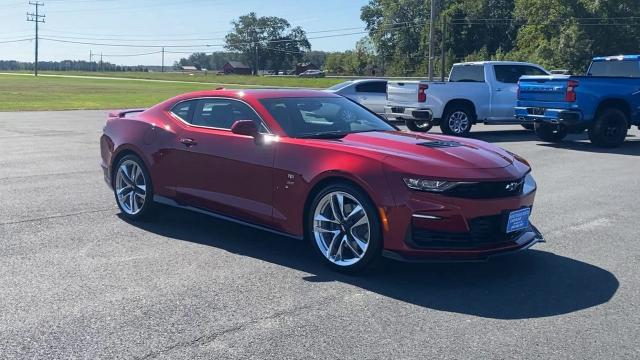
x: 322, y: 117
x: 341, y: 85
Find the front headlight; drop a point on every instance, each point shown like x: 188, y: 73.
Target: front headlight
x: 430, y: 185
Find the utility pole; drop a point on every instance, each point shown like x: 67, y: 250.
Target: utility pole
x: 163, y: 59
x: 37, y: 19
x: 443, y: 43
x: 431, y: 21
x: 101, y: 62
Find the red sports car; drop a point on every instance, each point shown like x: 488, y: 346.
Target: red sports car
x: 316, y: 166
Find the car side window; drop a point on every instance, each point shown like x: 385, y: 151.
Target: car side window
x: 372, y: 87
x: 184, y: 109
x: 510, y: 74
x: 221, y: 113
x: 467, y: 73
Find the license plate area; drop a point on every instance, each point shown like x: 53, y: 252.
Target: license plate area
x: 536, y: 111
x: 517, y: 220
x: 397, y: 110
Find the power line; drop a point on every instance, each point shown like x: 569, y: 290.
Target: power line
x: 15, y: 41
x: 37, y: 19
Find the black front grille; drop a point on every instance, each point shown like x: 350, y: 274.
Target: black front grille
x: 486, y: 230
x: 488, y: 189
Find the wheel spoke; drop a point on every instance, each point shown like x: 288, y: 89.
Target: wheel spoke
x: 124, y: 191
x: 326, y: 231
x: 337, y: 202
x: 132, y: 201
x: 353, y: 250
x: 354, y: 212
x: 321, y: 217
x: 331, y: 253
x: 361, y: 244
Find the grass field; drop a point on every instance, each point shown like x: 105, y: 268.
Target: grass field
x: 275, y: 81
x: 19, y: 93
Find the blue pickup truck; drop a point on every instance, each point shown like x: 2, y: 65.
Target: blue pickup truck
x: 606, y: 101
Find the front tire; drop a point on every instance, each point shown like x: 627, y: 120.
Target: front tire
x: 344, y: 228
x: 457, y: 121
x: 610, y: 129
x: 550, y: 133
x: 132, y: 188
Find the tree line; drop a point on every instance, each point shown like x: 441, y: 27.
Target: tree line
x: 557, y: 34
x: 67, y: 65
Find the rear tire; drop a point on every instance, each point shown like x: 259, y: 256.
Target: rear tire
x: 609, y: 129
x: 550, y: 133
x: 457, y: 121
x: 418, y: 125
x: 132, y: 188
x: 344, y: 229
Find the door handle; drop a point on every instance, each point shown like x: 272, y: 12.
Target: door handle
x: 498, y: 89
x: 363, y: 98
x: 188, y: 142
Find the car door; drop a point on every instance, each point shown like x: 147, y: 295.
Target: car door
x: 372, y: 95
x: 504, y: 90
x: 223, y: 172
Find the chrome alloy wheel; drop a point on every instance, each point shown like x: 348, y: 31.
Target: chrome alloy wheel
x: 459, y: 122
x: 341, y: 228
x: 131, y: 187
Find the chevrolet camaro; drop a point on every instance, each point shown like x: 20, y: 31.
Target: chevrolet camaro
x: 316, y: 166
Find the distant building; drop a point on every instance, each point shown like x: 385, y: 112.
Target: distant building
x: 236, y: 67
x: 302, y: 67
x: 188, y: 68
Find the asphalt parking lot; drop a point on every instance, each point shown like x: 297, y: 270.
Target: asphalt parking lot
x: 77, y: 281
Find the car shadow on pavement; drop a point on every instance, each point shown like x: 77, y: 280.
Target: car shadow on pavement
x: 530, y: 284
x: 629, y: 147
x: 504, y: 135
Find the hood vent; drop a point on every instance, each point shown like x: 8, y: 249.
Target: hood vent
x: 440, y: 144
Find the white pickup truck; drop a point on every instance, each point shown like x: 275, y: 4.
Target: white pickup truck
x: 475, y: 92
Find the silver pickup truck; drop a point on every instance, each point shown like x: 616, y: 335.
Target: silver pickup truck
x: 475, y: 92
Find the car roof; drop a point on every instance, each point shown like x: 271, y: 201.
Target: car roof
x: 495, y: 62
x: 254, y: 93
x: 616, y: 57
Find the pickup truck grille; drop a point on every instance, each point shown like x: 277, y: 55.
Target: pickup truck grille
x: 488, y: 190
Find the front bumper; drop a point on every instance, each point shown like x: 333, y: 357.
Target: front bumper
x: 458, y: 226
x: 523, y: 241
x: 407, y: 113
x: 564, y: 117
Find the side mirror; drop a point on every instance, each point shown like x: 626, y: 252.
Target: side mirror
x: 245, y: 127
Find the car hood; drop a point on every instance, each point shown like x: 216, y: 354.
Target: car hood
x: 425, y: 153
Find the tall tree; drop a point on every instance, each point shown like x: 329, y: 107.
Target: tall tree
x: 266, y: 41
x: 397, y: 28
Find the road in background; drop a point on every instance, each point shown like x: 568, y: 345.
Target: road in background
x: 76, y: 280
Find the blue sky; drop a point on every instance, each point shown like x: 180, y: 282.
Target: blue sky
x: 162, y: 22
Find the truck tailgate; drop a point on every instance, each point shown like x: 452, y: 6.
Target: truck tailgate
x: 404, y: 93
x: 544, y: 89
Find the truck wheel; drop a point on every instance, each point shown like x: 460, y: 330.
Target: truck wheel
x: 550, y: 133
x: 609, y: 129
x: 418, y: 125
x: 457, y: 121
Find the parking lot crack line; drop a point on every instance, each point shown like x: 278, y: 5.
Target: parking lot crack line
x: 56, y: 216
x: 52, y: 174
x: 206, y: 339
